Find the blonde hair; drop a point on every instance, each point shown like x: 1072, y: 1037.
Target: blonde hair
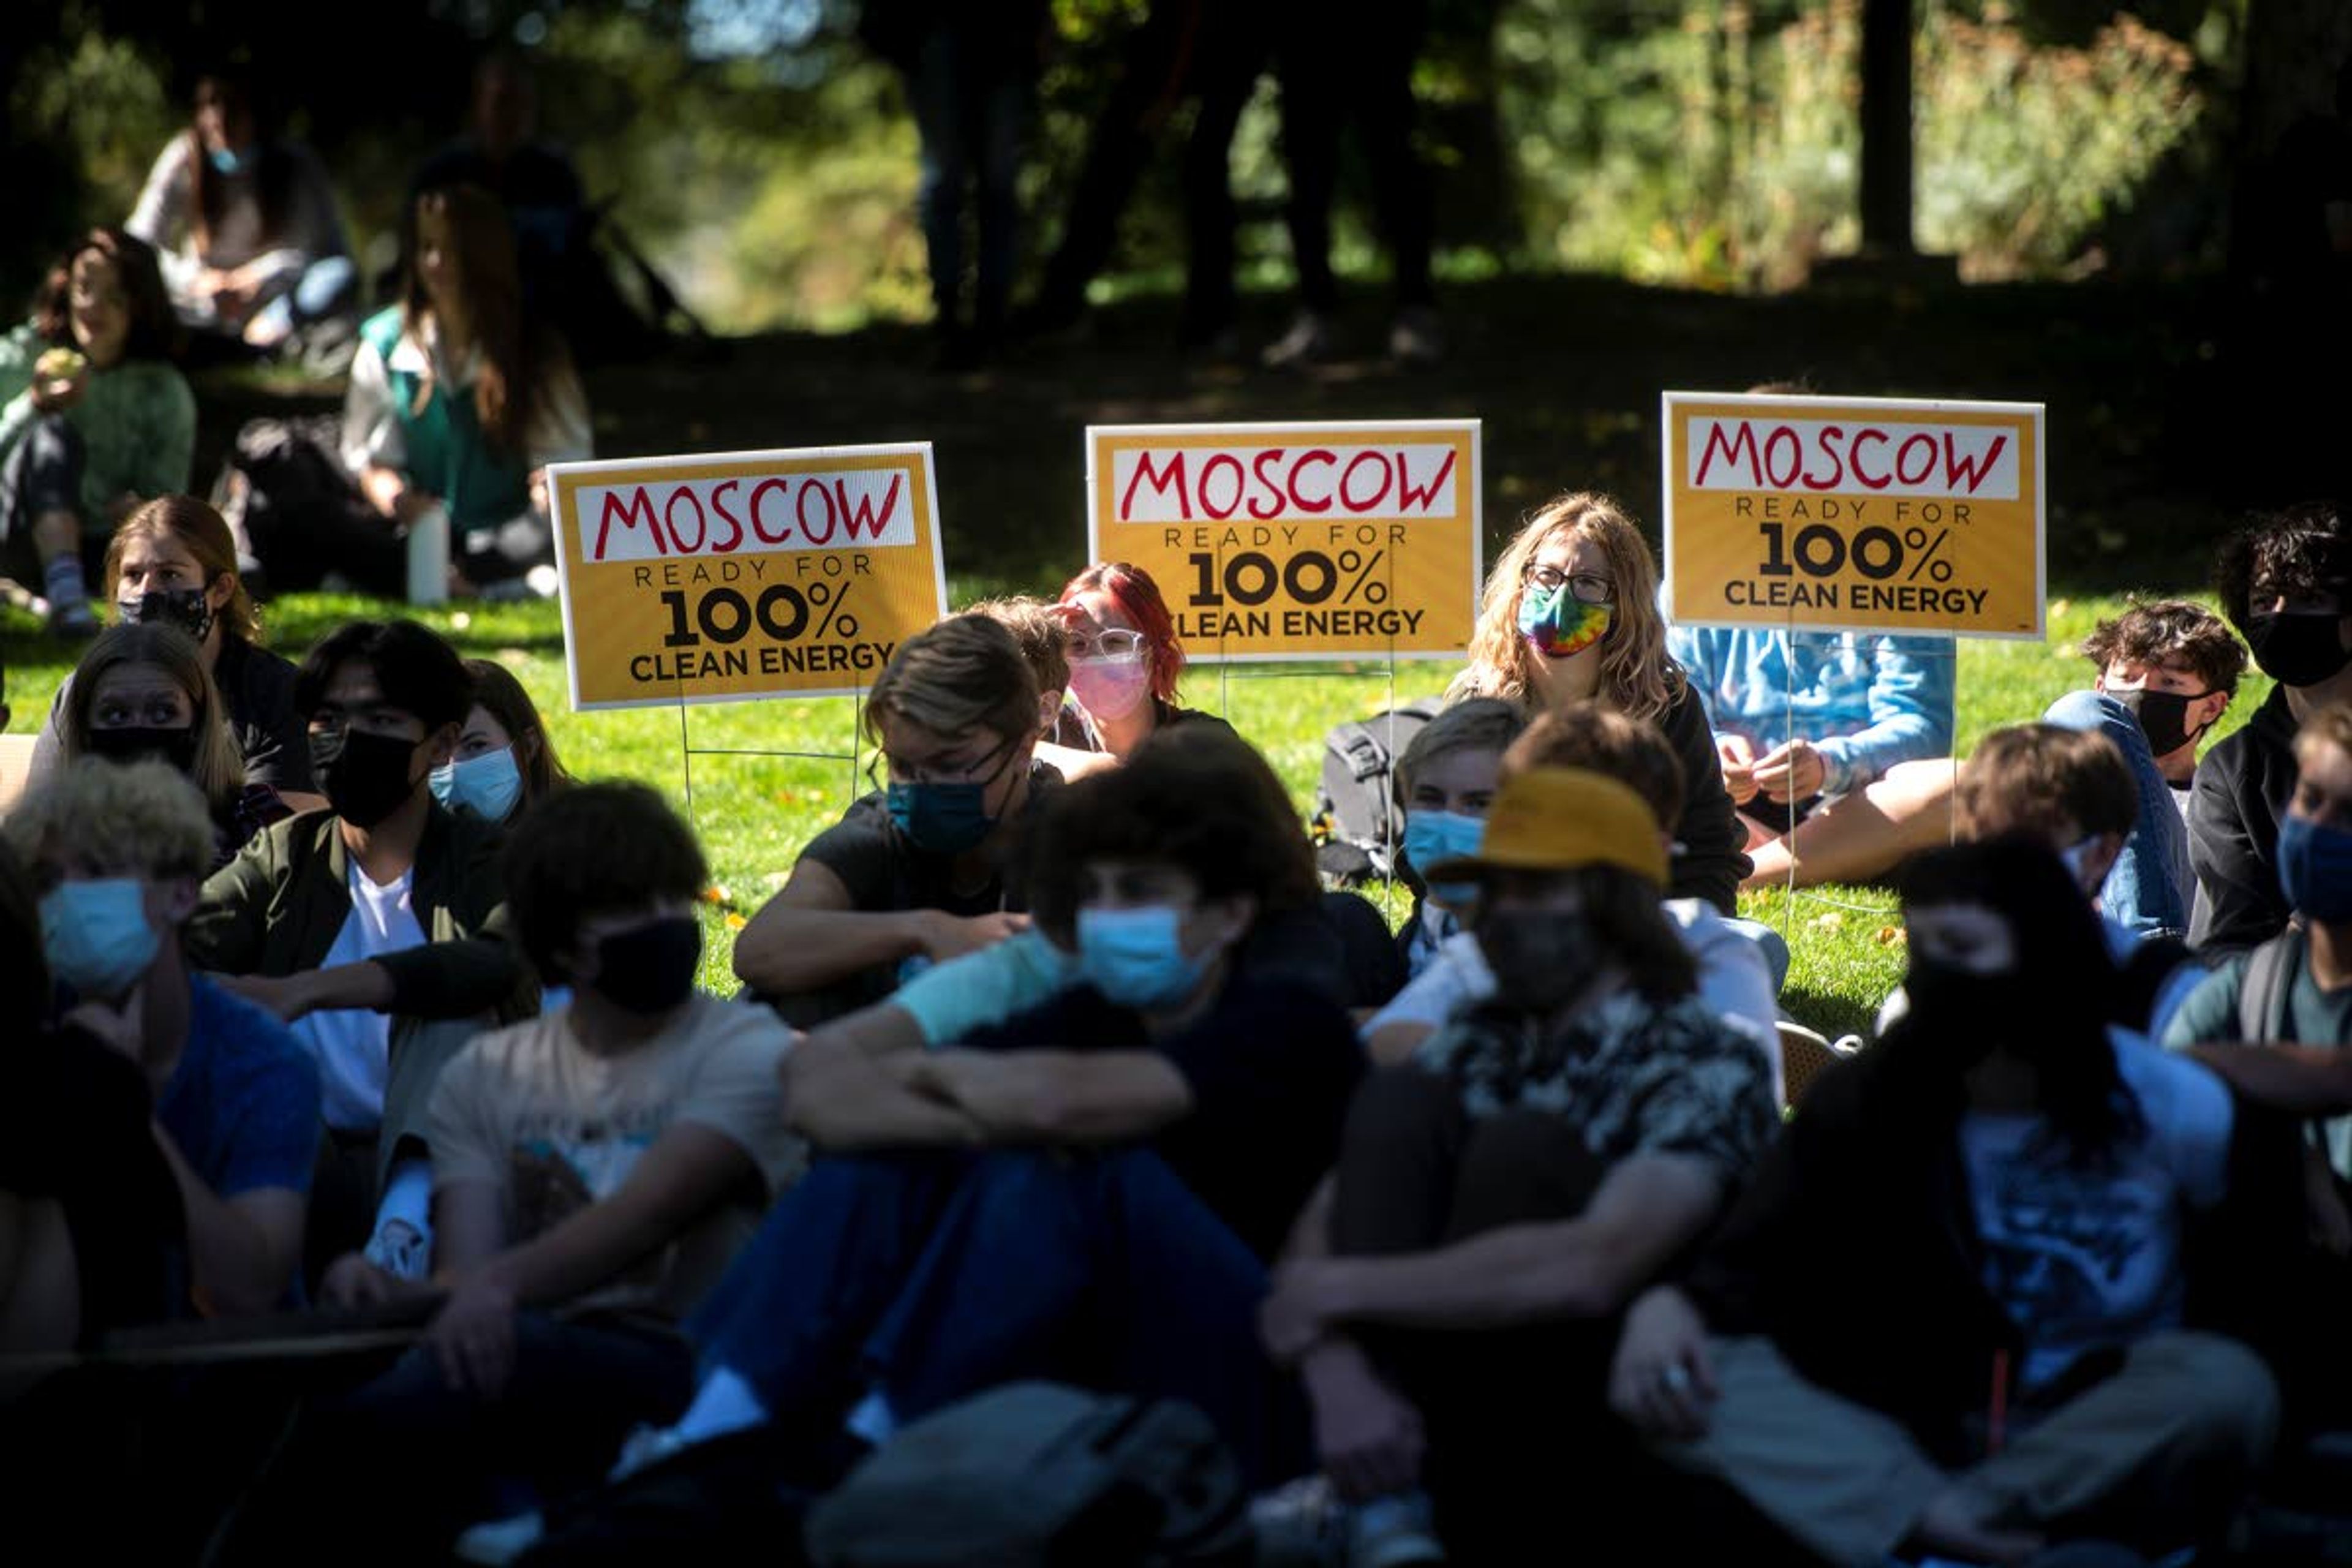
x: 139, y: 818
x: 205, y: 536
x: 1637, y: 677
x: 218, y: 767
x: 2328, y: 726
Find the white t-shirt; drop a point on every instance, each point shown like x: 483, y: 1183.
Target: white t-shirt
x: 557, y: 1128
x: 352, y: 1045
x: 2088, y: 1257
x: 1733, y: 979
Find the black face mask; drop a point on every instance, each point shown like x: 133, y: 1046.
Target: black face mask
x: 185, y: 608
x: 366, y: 778
x: 2163, y: 716
x: 651, y: 968
x: 2298, y: 649
x: 136, y: 743
x: 1541, y: 962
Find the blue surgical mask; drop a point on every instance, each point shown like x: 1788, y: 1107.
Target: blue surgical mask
x: 1135, y: 956
x: 488, y: 785
x: 96, y: 935
x: 227, y: 161
x: 1430, y: 837
x: 2315, y: 868
x: 941, y: 818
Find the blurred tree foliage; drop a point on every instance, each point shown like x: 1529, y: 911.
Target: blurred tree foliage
x: 766, y: 161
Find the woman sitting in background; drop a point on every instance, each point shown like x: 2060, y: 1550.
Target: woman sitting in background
x: 97, y: 416
x: 174, y: 562
x: 253, y: 248
x: 1125, y: 661
x: 1571, y: 611
x: 459, y: 401
x: 144, y: 692
x: 504, y: 761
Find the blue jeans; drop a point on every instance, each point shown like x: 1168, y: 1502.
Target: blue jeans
x: 2152, y: 886
x: 935, y: 1275
x: 327, y: 287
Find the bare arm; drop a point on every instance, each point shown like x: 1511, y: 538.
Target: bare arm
x: 884, y: 1030
x: 241, y: 1250
x: 810, y: 935
x: 1058, y: 1097
x: 1645, y: 1211
x: 2308, y: 1080
x: 841, y: 1099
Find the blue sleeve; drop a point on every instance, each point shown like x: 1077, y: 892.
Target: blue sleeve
x: 1911, y: 703
x: 269, y: 1134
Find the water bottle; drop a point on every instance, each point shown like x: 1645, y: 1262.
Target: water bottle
x: 428, y: 556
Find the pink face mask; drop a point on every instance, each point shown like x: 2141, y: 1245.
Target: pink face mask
x: 1111, y: 688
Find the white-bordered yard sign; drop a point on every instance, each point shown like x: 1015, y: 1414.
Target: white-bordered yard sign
x: 1854, y: 514
x: 1297, y: 542
x: 726, y: 578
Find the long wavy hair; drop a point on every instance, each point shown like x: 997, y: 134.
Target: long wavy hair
x: 1637, y: 675
x: 507, y: 387
x: 232, y: 94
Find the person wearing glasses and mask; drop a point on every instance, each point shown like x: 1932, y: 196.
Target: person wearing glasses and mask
x: 932, y: 874
x: 1570, y: 612
x: 1125, y: 661
x: 377, y: 927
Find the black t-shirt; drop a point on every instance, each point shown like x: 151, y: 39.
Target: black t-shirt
x: 257, y: 686
x: 1071, y: 730
x: 1271, y: 1068
x: 883, y: 872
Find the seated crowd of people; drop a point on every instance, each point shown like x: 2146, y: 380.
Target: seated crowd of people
x: 461, y: 388
x: 333, y: 1000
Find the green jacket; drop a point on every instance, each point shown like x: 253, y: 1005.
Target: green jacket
x: 277, y: 908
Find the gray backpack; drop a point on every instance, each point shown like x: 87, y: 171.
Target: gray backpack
x: 1036, y: 1475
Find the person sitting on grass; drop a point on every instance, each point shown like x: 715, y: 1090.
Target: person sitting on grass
x: 2010, y: 1358
x: 118, y: 851
x: 1452, y: 1295
x: 955, y: 716
x: 1836, y: 746
x: 1444, y: 781
x: 375, y: 927
x: 142, y: 692
x: 174, y: 562
x: 1570, y: 612
x: 594, y: 1170
x: 504, y: 761
x: 1087, y: 1192
x: 1733, y: 977
x: 2287, y: 584
x: 1125, y: 661
x: 2166, y: 671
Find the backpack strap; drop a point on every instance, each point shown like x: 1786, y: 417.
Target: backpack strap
x: 2263, y: 1010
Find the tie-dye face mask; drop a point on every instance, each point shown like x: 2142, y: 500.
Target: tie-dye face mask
x: 1558, y: 623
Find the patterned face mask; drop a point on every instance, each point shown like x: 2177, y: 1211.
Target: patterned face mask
x: 1558, y: 624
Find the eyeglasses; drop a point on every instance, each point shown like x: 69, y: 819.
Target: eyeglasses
x: 1105, y: 644
x: 1588, y: 588
x: 968, y: 772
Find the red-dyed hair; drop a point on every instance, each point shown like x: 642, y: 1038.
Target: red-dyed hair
x: 1137, y: 598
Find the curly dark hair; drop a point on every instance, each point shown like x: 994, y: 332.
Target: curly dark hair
x: 2170, y: 631
x: 2303, y: 549
x: 1196, y: 797
x: 590, y: 850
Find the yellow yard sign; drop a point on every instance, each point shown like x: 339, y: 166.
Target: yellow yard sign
x: 1854, y: 514
x: 720, y: 579
x: 1295, y: 542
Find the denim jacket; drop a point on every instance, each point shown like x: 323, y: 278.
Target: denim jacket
x: 1865, y: 700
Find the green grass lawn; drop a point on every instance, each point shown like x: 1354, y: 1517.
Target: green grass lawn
x: 755, y: 811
